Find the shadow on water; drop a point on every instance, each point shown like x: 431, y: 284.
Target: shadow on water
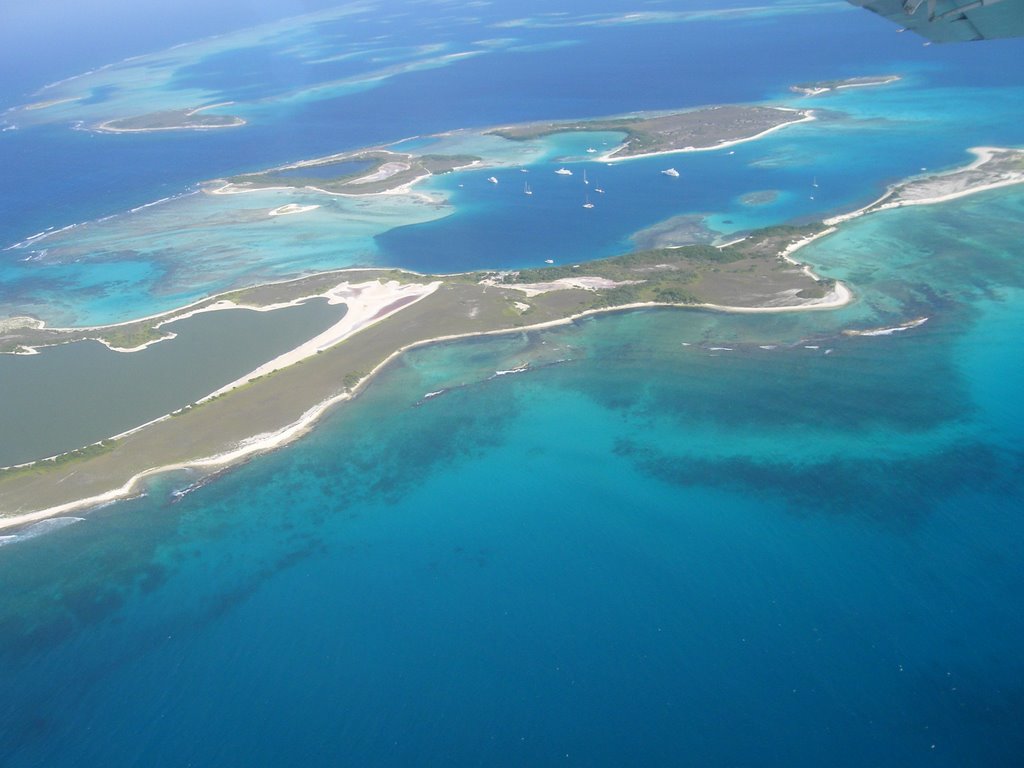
x: 897, y: 493
x: 851, y: 384
x: 86, y: 574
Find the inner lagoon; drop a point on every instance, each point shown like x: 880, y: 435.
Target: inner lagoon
x: 71, y: 395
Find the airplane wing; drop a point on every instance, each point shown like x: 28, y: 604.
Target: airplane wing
x: 947, y: 21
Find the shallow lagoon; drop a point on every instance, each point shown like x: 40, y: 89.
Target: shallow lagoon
x: 198, y: 243
x: 71, y: 395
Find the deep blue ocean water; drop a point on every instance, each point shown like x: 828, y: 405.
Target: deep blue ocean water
x: 606, y: 71
x: 799, y: 549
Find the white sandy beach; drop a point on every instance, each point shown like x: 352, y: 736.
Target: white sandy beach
x: 51, y: 103
x: 106, y: 126
x: 13, y: 323
x: 369, y: 302
x: 806, y: 116
x: 384, y: 172
x: 401, y: 189
x: 839, y: 296
x: 290, y: 209
x: 229, y: 188
x: 584, y: 282
x: 181, y: 313
x: 889, y: 330
x: 939, y: 188
x: 844, y: 86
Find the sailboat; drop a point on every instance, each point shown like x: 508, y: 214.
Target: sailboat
x: 526, y: 189
x: 815, y: 182
x: 585, y: 176
x: 588, y: 204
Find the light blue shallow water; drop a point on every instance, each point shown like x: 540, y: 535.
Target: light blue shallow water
x: 653, y: 553
x: 192, y: 245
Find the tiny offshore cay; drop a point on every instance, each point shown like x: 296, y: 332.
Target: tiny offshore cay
x: 173, y: 120
x: 827, y: 86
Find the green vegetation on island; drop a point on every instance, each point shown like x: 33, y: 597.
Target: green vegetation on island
x: 993, y: 168
x: 703, y: 128
x: 44, y: 465
x: 171, y: 120
x: 755, y: 273
x: 752, y: 273
x: 364, y: 172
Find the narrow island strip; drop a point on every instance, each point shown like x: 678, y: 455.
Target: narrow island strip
x: 363, y: 172
x: 819, y: 87
x: 993, y: 168
x: 389, y: 312
x: 648, y: 135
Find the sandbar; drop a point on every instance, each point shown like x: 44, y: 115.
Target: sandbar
x: 827, y: 86
x: 389, y: 172
x: 993, y: 168
x: 290, y: 209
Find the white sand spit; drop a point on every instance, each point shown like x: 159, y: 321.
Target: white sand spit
x: 291, y: 208
x: 367, y: 303
x: 587, y: 283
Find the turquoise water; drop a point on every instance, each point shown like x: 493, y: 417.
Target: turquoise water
x: 165, y: 256
x: 700, y: 539
x: 652, y: 552
x: 188, y: 246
